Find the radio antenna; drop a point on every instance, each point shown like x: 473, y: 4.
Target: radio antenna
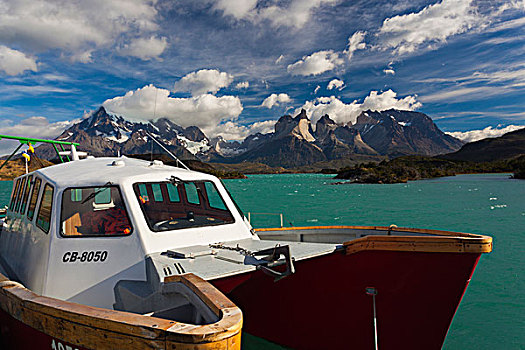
x: 154, y: 115
x: 167, y: 151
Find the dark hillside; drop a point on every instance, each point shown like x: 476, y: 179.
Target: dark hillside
x: 507, y: 146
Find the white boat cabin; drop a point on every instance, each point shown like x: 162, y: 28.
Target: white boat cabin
x: 105, y: 231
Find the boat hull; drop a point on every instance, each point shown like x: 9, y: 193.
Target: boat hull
x: 17, y: 335
x: 324, y: 305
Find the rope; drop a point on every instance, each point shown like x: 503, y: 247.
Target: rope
x: 237, y: 248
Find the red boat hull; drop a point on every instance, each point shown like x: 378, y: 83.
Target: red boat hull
x: 324, y: 304
x: 17, y: 335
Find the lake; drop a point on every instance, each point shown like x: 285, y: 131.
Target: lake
x: 492, y: 312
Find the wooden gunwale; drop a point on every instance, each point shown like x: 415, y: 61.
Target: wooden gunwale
x: 93, y: 327
x: 440, y: 241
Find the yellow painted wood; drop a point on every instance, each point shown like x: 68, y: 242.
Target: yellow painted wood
x: 97, y: 328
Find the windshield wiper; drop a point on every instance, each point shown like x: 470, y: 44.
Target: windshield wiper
x: 100, y: 189
x: 175, y: 181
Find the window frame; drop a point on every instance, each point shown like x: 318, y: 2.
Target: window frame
x: 50, y: 210
x: 126, y: 210
x: 183, y: 197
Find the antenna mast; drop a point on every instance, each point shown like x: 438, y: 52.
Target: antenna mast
x: 167, y: 151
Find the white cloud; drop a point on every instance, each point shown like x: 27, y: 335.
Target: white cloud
x: 242, y: 85
x: 203, y: 81
x: 297, y: 14
x: 294, y: 13
x: 233, y: 131
x: 279, y: 59
x: 81, y: 56
x: 317, y: 89
x: 433, y: 24
x: 146, y: 48
x: 335, y: 84
x: 275, y: 100
x: 263, y: 127
x: 76, y: 27
x: 315, y: 64
x: 14, y: 62
x: 205, y: 111
x: 355, y: 42
x: 35, y: 127
x: 344, y: 113
x: 238, y: 9
x: 489, y: 131
x: 388, y: 71
x: 478, y: 85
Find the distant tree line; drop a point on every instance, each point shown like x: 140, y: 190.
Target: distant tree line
x: 409, y: 168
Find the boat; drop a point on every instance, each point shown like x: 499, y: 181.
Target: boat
x: 113, y: 236
x: 52, y: 271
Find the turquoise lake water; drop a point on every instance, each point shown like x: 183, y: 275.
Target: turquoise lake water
x: 492, y: 312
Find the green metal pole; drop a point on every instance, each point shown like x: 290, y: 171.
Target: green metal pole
x: 63, y: 149
x: 27, y: 140
x: 58, y: 153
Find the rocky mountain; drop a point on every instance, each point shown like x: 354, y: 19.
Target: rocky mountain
x: 389, y: 133
x: 508, y: 146
x: 293, y: 143
x: 397, y: 133
x: 103, y: 134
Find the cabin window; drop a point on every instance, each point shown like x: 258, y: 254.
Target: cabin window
x: 183, y: 205
x: 43, y: 219
x: 157, y: 194
x: 13, y: 196
x: 214, y: 198
x: 34, y: 197
x: 192, y: 196
x: 19, y: 195
x: 173, y: 193
x: 94, y: 212
x: 29, y: 182
x: 143, y: 193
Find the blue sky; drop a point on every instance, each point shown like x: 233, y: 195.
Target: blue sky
x: 234, y: 67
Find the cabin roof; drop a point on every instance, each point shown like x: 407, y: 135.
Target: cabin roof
x: 97, y: 171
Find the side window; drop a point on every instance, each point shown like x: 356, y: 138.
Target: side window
x: 214, y: 199
x: 13, y: 196
x: 26, y: 194
x: 34, y: 197
x: 20, y: 193
x: 192, y: 196
x: 43, y: 219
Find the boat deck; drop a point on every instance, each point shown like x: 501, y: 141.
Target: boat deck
x: 230, y: 258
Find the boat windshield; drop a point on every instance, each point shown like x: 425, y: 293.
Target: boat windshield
x: 94, y: 211
x: 181, y: 204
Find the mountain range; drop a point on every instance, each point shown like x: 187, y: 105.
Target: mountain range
x: 293, y: 143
